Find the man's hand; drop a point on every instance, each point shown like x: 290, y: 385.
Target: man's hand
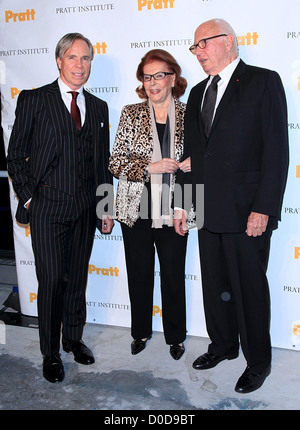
x: 107, y: 224
x: 179, y: 222
x: 185, y: 165
x: 257, y: 224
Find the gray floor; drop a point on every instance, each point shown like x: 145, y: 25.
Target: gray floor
x: 119, y: 381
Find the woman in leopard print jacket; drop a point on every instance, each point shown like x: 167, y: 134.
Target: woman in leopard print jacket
x: 147, y: 152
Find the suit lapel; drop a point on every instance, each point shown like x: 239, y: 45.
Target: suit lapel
x: 231, y: 89
x: 56, y: 110
x: 88, y: 101
x: 200, y: 99
x: 91, y: 122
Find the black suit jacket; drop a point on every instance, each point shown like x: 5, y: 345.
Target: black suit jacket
x: 38, y: 135
x: 243, y: 164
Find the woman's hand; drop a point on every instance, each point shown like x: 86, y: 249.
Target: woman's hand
x: 166, y: 165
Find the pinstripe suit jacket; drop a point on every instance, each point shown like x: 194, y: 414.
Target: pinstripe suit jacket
x: 38, y: 136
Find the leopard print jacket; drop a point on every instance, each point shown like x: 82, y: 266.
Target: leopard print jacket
x: 132, y: 153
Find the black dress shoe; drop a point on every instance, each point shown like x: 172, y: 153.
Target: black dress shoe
x: 53, y: 369
x: 82, y: 354
x: 208, y: 360
x: 138, y: 345
x: 177, y: 351
x: 251, y: 381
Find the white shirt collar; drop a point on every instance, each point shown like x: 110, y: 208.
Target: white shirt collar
x: 65, y: 89
x: 226, y: 73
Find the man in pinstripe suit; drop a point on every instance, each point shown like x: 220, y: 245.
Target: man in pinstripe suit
x: 55, y: 166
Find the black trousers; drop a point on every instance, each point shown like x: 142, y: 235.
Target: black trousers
x: 236, y: 294
x: 139, y: 243
x: 62, y: 231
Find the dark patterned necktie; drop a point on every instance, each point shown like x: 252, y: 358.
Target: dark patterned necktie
x: 75, y: 112
x: 209, y: 104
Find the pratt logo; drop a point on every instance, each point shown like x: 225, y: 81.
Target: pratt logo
x: 156, y: 311
x: 296, y: 333
x: 14, y: 92
x: 298, y: 171
x: 32, y: 297
x: 11, y: 16
x: 100, y: 48
x: 111, y: 271
x: 246, y: 40
x: 297, y: 252
x: 157, y: 4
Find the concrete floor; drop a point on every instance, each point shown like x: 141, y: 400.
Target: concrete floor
x: 119, y: 381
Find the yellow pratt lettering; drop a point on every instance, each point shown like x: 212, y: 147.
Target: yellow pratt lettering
x: 32, y: 297
x: 157, y: 4
x: 14, y: 92
x: 110, y: 271
x: 20, y: 16
x: 100, y: 48
x: 156, y: 310
x: 296, y: 329
x: 246, y: 40
x: 141, y: 4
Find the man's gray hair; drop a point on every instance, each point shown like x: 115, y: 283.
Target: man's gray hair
x: 67, y: 41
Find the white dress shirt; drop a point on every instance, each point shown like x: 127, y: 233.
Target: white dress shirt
x: 225, y: 76
x: 67, y: 98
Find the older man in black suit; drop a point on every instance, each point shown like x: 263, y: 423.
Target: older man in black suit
x: 57, y: 157
x: 238, y: 143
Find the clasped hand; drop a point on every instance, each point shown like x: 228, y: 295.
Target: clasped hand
x: 169, y: 165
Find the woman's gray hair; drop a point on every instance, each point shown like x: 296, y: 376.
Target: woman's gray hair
x: 67, y: 41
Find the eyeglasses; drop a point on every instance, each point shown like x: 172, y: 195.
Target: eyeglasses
x: 202, y: 43
x: 157, y: 76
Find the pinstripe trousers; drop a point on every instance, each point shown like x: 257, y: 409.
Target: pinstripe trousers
x: 62, y: 231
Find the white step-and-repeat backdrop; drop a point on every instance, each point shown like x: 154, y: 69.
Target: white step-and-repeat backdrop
x: 122, y: 31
